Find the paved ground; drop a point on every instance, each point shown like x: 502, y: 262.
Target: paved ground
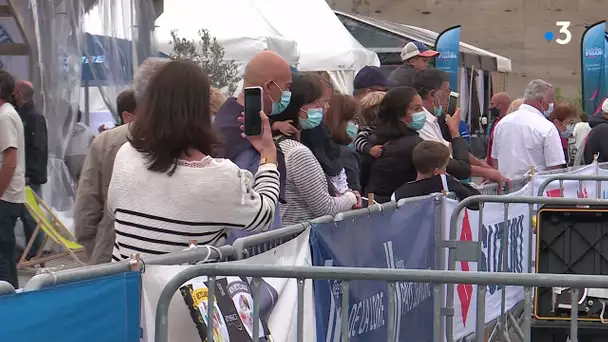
x: 56, y: 265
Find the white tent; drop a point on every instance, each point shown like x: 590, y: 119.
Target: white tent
x: 246, y: 27
x: 236, y: 24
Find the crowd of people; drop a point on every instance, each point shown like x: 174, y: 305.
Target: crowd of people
x: 179, y: 170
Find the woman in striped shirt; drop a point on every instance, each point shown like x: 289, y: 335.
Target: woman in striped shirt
x: 307, y: 188
x: 167, y: 190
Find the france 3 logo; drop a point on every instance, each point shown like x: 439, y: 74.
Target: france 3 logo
x: 563, y: 37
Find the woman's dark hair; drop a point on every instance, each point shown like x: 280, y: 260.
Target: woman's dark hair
x: 304, y: 90
x: 342, y: 109
x: 174, y: 117
x: 392, y: 108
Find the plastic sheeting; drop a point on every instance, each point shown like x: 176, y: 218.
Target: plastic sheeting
x: 54, y: 29
x: 308, y: 33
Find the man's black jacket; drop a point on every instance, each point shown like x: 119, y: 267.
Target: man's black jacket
x: 36, y: 143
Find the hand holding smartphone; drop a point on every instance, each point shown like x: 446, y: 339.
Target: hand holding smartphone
x: 253, y: 98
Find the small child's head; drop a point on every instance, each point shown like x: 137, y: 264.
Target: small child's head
x: 369, y: 106
x: 430, y: 158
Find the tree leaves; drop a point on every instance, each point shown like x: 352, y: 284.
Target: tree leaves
x: 208, y: 54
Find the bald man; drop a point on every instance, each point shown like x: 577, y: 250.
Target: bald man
x: 499, y: 106
x: 272, y: 73
x: 36, y: 154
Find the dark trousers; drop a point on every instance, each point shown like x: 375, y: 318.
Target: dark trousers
x: 29, y: 226
x: 9, y: 213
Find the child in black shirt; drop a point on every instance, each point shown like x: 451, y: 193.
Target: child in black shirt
x: 430, y: 159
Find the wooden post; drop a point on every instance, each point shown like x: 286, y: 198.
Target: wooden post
x: 370, y: 199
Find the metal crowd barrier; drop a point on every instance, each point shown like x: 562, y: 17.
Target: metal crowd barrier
x: 252, y: 245
x: 580, y: 178
x: 346, y: 274
x: 193, y: 255
x: 458, y: 251
x: 470, y: 251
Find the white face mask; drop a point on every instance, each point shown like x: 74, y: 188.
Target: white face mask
x: 549, y: 110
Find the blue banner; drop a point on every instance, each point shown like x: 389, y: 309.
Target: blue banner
x: 98, y: 310
x: 448, y: 45
x: 402, y: 239
x: 593, y: 67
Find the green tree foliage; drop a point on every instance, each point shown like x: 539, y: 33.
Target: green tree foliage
x: 576, y: 100
x: 208, y: 54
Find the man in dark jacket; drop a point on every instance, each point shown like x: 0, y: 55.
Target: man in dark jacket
x: 596, y: 142
x: 415, y: 57
x: 36, y: 154
x: 369, y: 79
x: 273, y: 74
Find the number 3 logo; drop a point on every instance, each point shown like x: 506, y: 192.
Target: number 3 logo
x: 565, y: 34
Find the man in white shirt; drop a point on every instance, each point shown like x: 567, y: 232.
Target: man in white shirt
x: 525, y: 138
x: 433, y: 85
x: 12, y: 178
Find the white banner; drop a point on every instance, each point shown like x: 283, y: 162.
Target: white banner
x: 519, y: 256
x: 492, y: 233
x: 277, y: 295
x: 571, y: 188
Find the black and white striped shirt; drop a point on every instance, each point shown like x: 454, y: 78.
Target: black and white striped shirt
x: 361, y: 140
x: 156, y: 213
x: 306, y: 189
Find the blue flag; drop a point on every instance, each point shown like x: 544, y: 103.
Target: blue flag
x: 593, y: 67
x: 448, y: 45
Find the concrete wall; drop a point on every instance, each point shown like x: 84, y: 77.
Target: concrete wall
x: 512, y: 28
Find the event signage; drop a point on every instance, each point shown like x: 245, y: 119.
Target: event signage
x: 448, y: 46
x: 593, y: 67
x: 401, y: 238
x: 106, y: 308
x: 233, y: 308
x: 495, y: 231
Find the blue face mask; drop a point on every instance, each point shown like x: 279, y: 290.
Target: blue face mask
x: 549, y: 110
x: 315, y: 117
x: 568, y: 132
x: 279, y: 107
x: 352, y: 129
x: 418, y: 120
x: 439, y: 109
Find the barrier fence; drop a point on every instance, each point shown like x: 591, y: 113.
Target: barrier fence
x: 428, y: 232
x: 394, y: 277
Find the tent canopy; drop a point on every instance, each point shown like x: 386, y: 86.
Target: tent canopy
x: 386, y: 36
x: 246, y: 27
x: 237, y: 25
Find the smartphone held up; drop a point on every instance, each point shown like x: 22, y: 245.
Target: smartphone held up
x: 253, y: 99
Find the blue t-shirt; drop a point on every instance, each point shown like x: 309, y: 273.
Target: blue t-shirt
x: 463, y: 129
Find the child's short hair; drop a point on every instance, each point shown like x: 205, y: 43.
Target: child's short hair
x: 430, y: 155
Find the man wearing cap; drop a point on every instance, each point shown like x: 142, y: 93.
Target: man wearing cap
x: 369, y: 79
x: 415, y: 57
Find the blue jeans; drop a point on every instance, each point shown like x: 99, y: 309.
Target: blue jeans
x: 29, y: 226
x: 9, y: 213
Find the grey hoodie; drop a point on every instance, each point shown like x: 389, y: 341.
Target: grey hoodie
x: 78, y: 147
